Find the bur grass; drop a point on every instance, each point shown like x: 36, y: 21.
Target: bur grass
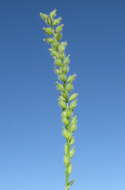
x: 67, y: 99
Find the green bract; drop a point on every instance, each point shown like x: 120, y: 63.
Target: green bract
x: 72, y: 152
x: 60, y: 86
x: 53, y: 13
x: 73, y: 128
x: 59, y: 28
x: 72, y: 140
x: 57, y: 21
x: 71, y: 78
x: 69, y: 87
x: 48, y: 30
x: 44, y: 17
x: 66, y: 60
x: 73, y: 104
x: 64, y: 85
x: 73, y: 96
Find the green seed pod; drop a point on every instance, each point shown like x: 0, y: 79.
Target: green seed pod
x: 58, y: 36
x: 61, y: 98
x: 73, y: 96
x: 58, y: 62
x: 48, y: 30
x: 68, y: 112
x: 64, y: 43
x: 72, y: 140
x: 62, y: 104
x: 59, y: 28
x: 65, y: 121
x: 54, y: 53
x: 71, y: 78
x: 61, y: 55
x: 59, y: 86
x: 69, y: 169
x: 69, y: 87
x: 66, y: 60
x: 48, y: 40
x: 74, y: 120
x: 57, y: 21
x: 65, y: 69
x: 53, y: 13
x: 61, y: 48
x: 73, y: 104
x: 58, y: 71
x: 66, y: 148
x: 63, y: 114
x: 73, y: 127
x: 66, y: 161
x: 62, y: 77
x: 55, y: 45
x: 72, y: 152
x: 49, y: 21
x: 67, y: 134
x: 65, y: 95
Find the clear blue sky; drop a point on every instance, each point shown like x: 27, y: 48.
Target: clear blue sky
x: 31, y: 141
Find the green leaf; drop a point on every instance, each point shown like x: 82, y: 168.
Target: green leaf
x: 73, y: 96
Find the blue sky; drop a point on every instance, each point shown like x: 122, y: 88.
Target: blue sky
x: 31, y: 141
